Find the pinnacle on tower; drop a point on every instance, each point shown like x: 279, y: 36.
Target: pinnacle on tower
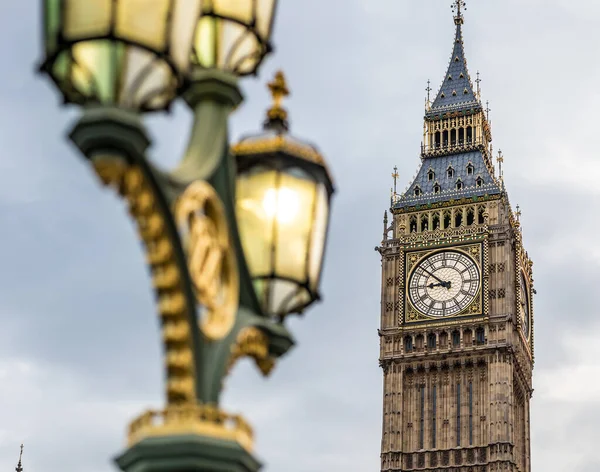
x: 19, y: 467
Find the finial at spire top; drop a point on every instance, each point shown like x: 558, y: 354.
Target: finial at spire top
x: 19, y: 467
x: 395, y: 177
x: 277, y: 115
x: 428, y: 90
x: 457, y: 7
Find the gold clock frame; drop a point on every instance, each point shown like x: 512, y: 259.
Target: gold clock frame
x: 475, y: 308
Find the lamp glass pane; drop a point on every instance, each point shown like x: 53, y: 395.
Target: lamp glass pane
x: 205, y: 41
x: 245, y: 54
x: 292, y: 203
x: 319, y: 233
x: 184, y: 17
x: 130, y: 53
x: 240, y: 10
x: 256, y: 218
x: 143, y: 21
x: 154, y: 89
x: 264, y: 16
x: 91, y: 18
x: 93, y: 70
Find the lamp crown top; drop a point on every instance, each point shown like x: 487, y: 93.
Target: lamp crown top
x: 277, y: 115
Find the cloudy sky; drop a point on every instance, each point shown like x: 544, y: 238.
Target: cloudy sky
x: 79, y: 344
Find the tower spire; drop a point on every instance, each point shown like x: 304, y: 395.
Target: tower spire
x: 19, y: 467
x: 456, y: 92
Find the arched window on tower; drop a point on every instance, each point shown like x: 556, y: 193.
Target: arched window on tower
x: 450, y: 172
x: 438, y: 139
x: 468, y: 337
x: 455, y: 338
x: 461, y: 136
x: 430, y: 175
x: 408, y: 344
x: 480, y: 216
x: 419, y: 341
x: 480, y: 336
x: 470, y: 169
x: 418, y: 191
x: 436, y: 221
x: 470, y: 216
x: 469, y: 134
x: 453, y: 137
x: 479, y: 182
x: 424, y: 223
x: 445, y: 138
x: 431, y: 341
x: 437, y: 188
x: 458, y: 218
x: 443, y: 340
x: 447, y: 219
x: 413, y: 224
x: 459, y: 184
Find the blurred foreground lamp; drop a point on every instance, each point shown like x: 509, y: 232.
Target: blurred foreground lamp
x: 233, y: 35
x: 133, y: 54
x: 282, y: 206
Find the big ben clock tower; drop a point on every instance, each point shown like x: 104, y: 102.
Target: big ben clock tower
x: 456, y: 308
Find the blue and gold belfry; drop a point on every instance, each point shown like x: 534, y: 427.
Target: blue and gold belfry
x: 234, y: 241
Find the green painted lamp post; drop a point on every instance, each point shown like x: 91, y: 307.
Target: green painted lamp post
x: 234, y: 240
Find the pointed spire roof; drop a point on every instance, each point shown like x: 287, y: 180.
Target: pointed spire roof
x: 456, y: 92
x: 19, y: 467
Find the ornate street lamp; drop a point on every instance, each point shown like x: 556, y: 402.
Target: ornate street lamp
x: 120, y: 58
x: 283, y: 195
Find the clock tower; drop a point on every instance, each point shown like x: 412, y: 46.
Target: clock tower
x: 456, y: 299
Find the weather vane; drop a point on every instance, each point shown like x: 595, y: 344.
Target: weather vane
x: 457, y: 7
x: 395, y: 177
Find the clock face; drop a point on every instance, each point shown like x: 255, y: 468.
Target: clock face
x: 444, y: 283
x: 525, y: 307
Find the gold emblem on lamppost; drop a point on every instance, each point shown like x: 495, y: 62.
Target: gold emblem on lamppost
x: 201, y: 220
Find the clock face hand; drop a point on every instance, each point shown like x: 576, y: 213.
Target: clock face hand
x: 442, y: 283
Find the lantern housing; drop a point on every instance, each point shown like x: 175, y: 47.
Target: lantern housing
x: 283, y: 195
x: 129, y: 53
x: 233, y: 35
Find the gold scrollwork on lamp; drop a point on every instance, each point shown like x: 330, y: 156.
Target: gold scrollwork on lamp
x: 254, y: 343
x: 130, y: 183
x: 200, y: 216
x: 206, y: 420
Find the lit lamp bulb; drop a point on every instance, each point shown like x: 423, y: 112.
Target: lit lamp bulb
x: 282, y: 204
